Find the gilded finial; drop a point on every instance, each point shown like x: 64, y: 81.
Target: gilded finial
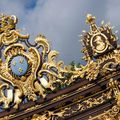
x: 40, y: 37
x: 7, y: 22
x: 8, y: 31
x: 90, y: 19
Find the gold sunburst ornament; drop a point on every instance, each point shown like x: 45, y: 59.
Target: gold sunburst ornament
x: 98, y: 39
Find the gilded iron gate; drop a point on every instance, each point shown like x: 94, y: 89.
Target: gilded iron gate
x: 35, y: 86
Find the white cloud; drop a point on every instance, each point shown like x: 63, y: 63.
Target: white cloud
x: 60, y: 20
x: 113, y: 8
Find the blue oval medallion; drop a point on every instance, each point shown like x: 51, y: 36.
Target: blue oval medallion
x: 19, y: 65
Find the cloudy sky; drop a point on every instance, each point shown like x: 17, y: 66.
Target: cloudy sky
x: 61, y: 21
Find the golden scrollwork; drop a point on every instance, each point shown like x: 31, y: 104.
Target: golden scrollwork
x: 86, y: 104
x: 47, y: 116
x: 101, y: 51
x: 110, y: 114
x: 114, y: 85
x: 8, y: 32
x: 79, y: 106
x: 3, y: 98
x: 28, y: 69
x: 32, y: 69
x: 7, y: 117
x: 113, y: 113
x: 103, y: 65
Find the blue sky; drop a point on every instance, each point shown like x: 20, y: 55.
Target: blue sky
x: 61, y: 21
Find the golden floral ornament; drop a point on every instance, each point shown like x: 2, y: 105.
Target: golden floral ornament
x: 27, y: 69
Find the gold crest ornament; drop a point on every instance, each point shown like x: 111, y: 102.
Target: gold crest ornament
x: 27, y: 70
x: 100, y: 39
x: 100, y: 51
